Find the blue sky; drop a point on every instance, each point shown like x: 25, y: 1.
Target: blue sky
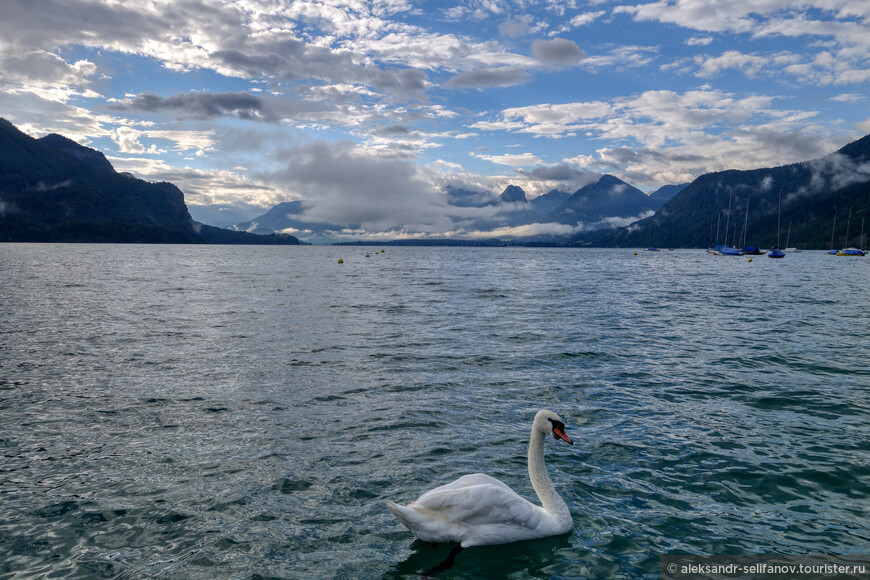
x: 368, y: 110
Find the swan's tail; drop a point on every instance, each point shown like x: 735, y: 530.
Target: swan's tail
x: 401, y: 512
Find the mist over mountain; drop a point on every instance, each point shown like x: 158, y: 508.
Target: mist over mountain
x: 606, y: 199
x: 601, y: 204
x: 54, y: 190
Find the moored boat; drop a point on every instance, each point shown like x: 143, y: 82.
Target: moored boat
x: 851, y: 251
x: 776, y: 252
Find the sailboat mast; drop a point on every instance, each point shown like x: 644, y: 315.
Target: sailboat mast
x: 728, y: 219
x: 833, y: 227
x: 718, y: 220
x: 745, y: 222
x: 862, y: 233
x: 848, y: 224
x: 778, y: 215
x: 711, y: 233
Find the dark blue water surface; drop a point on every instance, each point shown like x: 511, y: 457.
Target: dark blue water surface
x: 235, y: 412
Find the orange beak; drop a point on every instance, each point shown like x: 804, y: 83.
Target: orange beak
x: 560, y: 434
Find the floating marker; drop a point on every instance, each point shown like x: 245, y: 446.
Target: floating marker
x: 750, y: 259
x: 340, y: 261
x: 367, y: 255
x: 635, y: 253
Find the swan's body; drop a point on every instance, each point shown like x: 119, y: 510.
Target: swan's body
x: 477, y: 510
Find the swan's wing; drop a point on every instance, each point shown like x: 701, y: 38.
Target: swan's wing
x: 463, y: 482
x: 488, y: 502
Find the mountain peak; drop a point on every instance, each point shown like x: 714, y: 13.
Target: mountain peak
x: 608, y: 179
x: 858, y: 150
x: 86, y: 155
x: 513, y: 194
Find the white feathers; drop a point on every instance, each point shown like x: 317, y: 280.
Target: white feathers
x: 478, y: 509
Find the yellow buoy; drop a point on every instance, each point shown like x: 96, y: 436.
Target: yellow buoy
x: 635, y: 253
x: 340, y: 261
x: 367, y: 255
x: 750, y: 259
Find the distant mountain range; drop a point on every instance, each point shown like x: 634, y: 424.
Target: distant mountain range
x: 54, y: 190
x: 814, y: 194
x: 594, y: 206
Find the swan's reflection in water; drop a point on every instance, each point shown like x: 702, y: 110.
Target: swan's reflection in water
x: 528, y: 559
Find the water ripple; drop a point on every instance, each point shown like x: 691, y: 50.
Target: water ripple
x: 206, y: 412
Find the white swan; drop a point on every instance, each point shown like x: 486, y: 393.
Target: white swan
x: 478, y: 510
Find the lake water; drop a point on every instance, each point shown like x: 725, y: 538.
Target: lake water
x: 236, y: 412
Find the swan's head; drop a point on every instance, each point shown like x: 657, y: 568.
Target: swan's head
x: 549, y: 423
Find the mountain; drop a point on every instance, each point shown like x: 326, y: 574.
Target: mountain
x: 287, y: 217
x: 591, y: 206
x: 513, y: 194
x: 54, y: 190
x: 279, y: 217
x: 86, y: 155
x: 813, y: 192
x: 549, y: 202
x: 667, y: 192
x: 609, y: 197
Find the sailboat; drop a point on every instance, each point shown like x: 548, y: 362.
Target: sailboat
x: 727, y: 250
x: 851, y: 251
x: 652, y: 248
x: 787, y: 238
x: 833, y: 250
x: 776, y: 252
x: 715, y: 247
x: 748, y: 250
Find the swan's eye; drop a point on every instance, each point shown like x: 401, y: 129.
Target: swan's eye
x: 559, y: 431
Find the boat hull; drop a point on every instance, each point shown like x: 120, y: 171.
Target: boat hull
x: 850, y: 252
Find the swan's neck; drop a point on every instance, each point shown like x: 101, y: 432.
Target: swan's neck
x: 550, y: 500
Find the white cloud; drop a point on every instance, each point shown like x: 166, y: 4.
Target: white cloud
x: 700, y: 41
x: 748, y: 64
x: 511, y: 160
x: 820, y: 68
x: 845, y: 25
x: 205, y: 187
x: 186, y: 140
x: 585, y: 18
x: 675, y: 137
x: 127, y: 139
x: 621, y: 56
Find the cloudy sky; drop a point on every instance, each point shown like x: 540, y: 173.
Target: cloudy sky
x: 367, y: 110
